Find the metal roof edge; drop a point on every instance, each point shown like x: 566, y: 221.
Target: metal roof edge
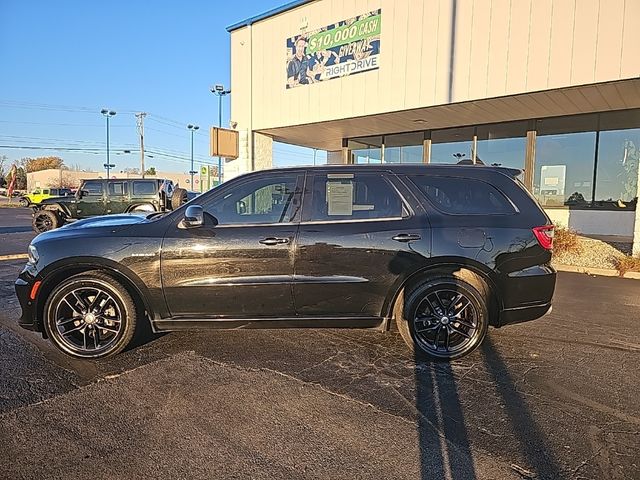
x: 270, y: 13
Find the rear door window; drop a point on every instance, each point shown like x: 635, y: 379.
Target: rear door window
x: 353, y: 196
x: 117, y: 188
x: 463, y: 196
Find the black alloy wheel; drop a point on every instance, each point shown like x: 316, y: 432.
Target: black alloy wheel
x: 90, y: 316
x: 444, y: 318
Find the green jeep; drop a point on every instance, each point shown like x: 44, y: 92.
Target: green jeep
x: 39, y: 194
x: 103, y: 197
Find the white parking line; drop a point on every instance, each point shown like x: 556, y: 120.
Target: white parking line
x: 15, y: 256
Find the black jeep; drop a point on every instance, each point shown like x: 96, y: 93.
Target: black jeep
x: 103, y: 197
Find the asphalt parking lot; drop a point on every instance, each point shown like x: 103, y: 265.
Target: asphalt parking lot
x: 554, y: 398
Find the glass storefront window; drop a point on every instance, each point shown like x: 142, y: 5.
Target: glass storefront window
x: 403, y: 148
x: 565, y: 153
x: 366, y: 149
x: 451, y: 145
x: 618, y: 159
x: 503, y: 144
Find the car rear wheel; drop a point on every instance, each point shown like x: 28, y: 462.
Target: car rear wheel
x: 46, y: 220
x: 90, y: 315
x: 145, y: 207
x: 443, y: 318
x: 24, y: 202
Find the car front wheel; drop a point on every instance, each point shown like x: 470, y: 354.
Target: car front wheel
x: 90, y: 315
x: 443, y: 318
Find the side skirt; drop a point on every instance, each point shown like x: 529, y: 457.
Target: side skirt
x: 188, y: 323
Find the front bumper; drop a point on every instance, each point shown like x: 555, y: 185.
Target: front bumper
x: 23, y: 286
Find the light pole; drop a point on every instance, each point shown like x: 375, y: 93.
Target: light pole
x: 192, y: 128
x: 218, y: 89
x: 108, y: 114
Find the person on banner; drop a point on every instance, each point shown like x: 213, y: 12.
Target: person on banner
x: 298, y: 66
x: 318, y: 63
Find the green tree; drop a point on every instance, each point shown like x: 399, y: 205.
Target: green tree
x: 21, y: 179
x: 150, y: 171
x: 3, y: 162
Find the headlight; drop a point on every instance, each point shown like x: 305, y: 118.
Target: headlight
x: 33, y: 255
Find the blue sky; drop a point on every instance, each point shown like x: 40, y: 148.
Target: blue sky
x: 62, y: 62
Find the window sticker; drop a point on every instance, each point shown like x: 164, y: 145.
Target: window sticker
x: 340, y: 198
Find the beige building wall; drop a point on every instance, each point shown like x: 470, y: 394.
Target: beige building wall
x: 436, y: 52
x: 53, y: 178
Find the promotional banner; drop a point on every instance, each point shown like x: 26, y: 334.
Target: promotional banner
x: 13, y: 173
x: 344, y: 48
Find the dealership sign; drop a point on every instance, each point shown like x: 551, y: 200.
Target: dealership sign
x: 344, y: 48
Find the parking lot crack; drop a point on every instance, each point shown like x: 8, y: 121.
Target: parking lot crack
x: 305, y: 382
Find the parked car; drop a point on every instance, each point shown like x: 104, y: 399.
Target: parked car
x: 105, y: 197
x: 444, y: 251
x: 39, y: 194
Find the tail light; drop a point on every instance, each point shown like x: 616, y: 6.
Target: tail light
x: 544, y: 235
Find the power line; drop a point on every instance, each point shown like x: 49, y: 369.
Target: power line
x: 62, y: 124
x: 50, y: 107
x: 172, y: 123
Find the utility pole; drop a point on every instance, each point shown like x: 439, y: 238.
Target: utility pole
x: 140, y: 127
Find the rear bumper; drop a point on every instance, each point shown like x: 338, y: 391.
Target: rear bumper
x: 523, y: 314
x: 527, y: 294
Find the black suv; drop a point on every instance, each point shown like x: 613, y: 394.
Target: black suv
x: 103, y: 197
x: 442, y: 250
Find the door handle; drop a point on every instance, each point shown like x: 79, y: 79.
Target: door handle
x: 406, y: 237
x: 273, y: 241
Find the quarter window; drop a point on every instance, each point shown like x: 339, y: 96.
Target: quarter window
x: 144, y: 188
x: 272, y: 199
x: 353, y: 196
x: 463, y: 196
x: 92, y: 188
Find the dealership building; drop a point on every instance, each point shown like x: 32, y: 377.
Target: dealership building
x: 551, y: 87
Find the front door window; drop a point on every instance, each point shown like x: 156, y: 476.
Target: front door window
x: 92, y: 200
x: 261, y: 201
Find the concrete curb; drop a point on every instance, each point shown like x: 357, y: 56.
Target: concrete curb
x: 606, y: 272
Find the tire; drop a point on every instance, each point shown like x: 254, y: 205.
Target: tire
x: 24, y: 202
x: 179, y: 198
x: 45, y: 220
x: 82, y: 328
x: 431, y: 306
x: 146, y: 207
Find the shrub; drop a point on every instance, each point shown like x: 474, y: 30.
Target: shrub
x: 566, y: 240
x: 627, y: 264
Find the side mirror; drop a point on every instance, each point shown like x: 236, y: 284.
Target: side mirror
x: 193, y: 217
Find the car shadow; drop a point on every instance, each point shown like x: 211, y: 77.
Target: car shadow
x: 143, y: 336
x: 446, y: 449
